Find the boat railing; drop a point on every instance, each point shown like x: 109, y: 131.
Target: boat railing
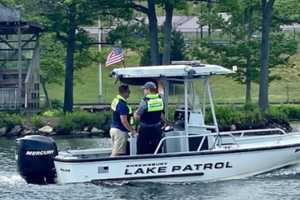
x: 202, y: 136
x: 231, y: 134
x: 242, y: 133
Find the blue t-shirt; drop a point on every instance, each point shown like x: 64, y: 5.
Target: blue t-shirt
x: 121, y: 109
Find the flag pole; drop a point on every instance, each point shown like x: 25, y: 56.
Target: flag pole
x: 100, y: 65
x: 123, y: 61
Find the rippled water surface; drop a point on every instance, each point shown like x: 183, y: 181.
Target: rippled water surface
x: 278, y: 185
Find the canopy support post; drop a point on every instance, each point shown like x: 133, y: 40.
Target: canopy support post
x: 186, y: 113
x: 213, y: 110
x: 204, y: 99
x: 165, y: 97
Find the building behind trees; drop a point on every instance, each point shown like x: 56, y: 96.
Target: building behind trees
x: 19, y: 61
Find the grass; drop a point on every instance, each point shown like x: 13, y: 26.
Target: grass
x: 225, y: 89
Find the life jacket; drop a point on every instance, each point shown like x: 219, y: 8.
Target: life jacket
x: 155, y: 106
x: 116, y: 115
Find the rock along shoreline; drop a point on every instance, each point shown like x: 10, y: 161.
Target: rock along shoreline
x: 21, y: 131
x: 47, y: 130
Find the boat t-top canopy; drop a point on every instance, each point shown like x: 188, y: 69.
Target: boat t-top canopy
x: 180, y: 71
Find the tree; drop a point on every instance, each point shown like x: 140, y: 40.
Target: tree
x: 133, y: 35
x: 169, y: 6
x: 243, y: 47
x: 178, y: 47
x: 240, y: 48
x: 51, y: 64
x: 65, y: 18
x: 287, y: 11
x: 266, y: 9
x: 150, y: 11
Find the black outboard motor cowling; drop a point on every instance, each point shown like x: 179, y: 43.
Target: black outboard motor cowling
x: 35, y: 159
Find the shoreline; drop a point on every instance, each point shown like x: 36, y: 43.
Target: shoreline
x: 19, y: 131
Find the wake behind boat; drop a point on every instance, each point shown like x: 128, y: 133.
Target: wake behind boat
x: 192, y: 150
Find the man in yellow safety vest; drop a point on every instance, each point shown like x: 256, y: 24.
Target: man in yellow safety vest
x: 150, y: 114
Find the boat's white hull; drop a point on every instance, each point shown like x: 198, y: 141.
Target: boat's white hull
x: 201, y: 166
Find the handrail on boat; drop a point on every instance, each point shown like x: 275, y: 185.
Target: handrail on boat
x: 205, y: 135
x: 242, y: 132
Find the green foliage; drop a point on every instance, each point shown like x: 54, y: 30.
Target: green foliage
x: 242, y: 45
x: 57, y: 104
x: 37, y: 121
x: 78, y: 120
x: 177, y: 4
x: 292, y: 112
x: 171, y: 113
x: 10, y: 120
x: 243, y: 41
x: 228, y: 116
x: 52, y: 113
x: 178, y: 49
x: 275, y: 115
x: 8, y: 3
x: 287, y: 11
x: 250, y: 117
x: 65, y: 20
x: 146, y: 58
x: 52, y: 59
x: 53, y: 55
x: 132, y: 35
x: 61, y: 16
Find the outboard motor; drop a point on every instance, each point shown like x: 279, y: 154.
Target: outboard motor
x: 35, y: 159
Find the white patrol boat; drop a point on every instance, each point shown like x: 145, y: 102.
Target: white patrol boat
x: 192, y: 150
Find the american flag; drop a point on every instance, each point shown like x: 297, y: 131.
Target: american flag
x: 115, y: 56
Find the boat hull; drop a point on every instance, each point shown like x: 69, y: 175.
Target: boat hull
x: 222, y: 164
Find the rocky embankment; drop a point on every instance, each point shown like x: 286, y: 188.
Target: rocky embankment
x: 48, y: 130
x: 19, y: 131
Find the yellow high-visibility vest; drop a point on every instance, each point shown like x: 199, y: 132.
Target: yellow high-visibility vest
x: 114, y: 107
x: 154, y: 103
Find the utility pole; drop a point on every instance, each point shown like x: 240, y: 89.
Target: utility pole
x: 100, y: 97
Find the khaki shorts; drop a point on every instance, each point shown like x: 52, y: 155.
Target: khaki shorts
x: 119, y: 140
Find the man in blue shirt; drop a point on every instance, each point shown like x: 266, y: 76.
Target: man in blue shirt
x: 122, y: 121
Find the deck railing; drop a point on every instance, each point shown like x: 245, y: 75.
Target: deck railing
x: 8, y: 98
x: 230, y: 134
x: 242, y: 133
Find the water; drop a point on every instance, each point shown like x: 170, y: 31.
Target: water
x: 283, y: 184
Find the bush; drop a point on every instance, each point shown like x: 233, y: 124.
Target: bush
x: 292, y: 112
x: 37, y: 121
x: 227, y: 116
x: 78, y: 120
x: 57, y: 104
x: 250, y: 117
x: 10, y: 120
x: 276, y: 114
x: 52, y: 113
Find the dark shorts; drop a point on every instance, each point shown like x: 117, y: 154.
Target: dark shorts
x: 148, y: 139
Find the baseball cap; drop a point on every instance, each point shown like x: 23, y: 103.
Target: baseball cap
x: 149, y: 85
